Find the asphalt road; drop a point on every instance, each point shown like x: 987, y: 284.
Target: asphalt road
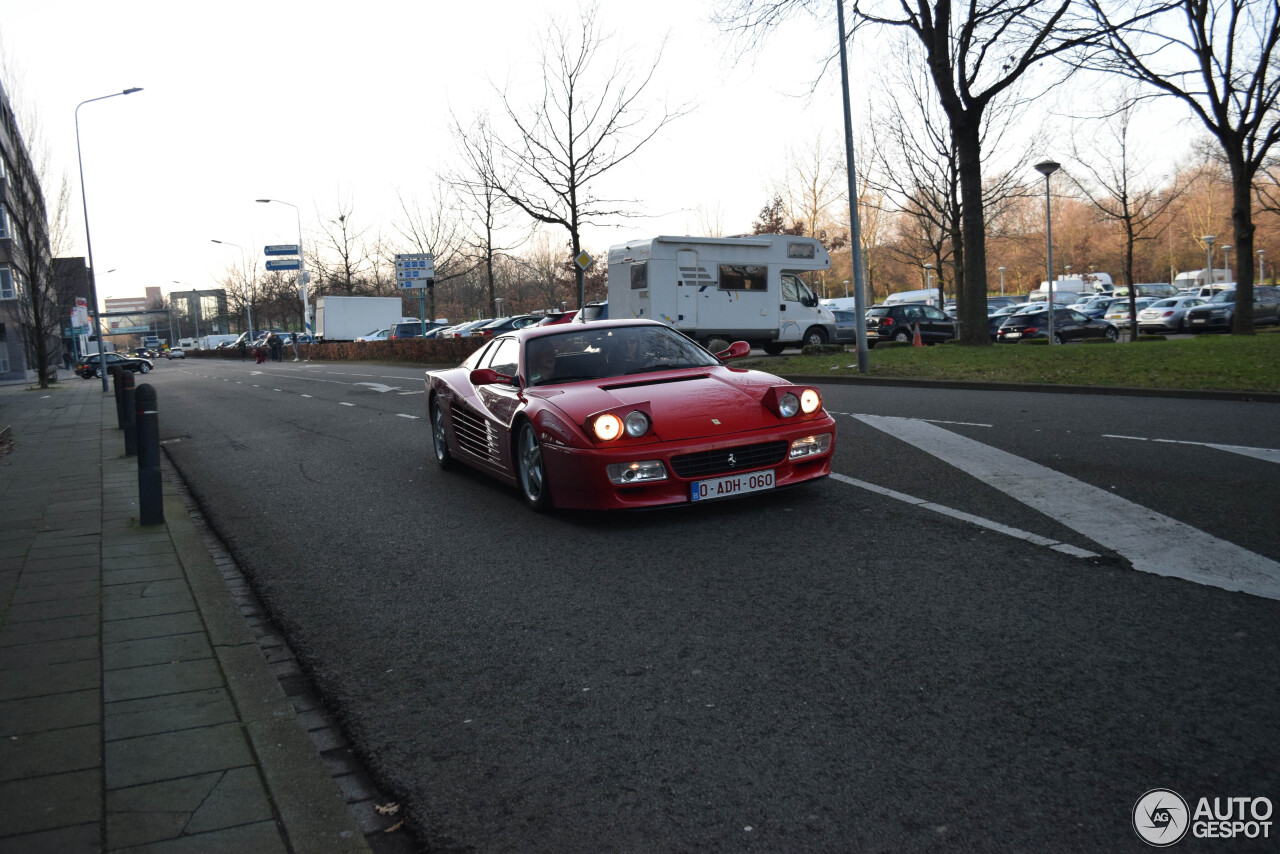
x: 832, y: 668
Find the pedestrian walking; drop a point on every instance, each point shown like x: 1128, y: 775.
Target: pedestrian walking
x: 242, y: 347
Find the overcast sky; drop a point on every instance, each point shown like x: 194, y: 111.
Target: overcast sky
x: 313, y: 103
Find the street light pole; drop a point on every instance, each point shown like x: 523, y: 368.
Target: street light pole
x: 1001, y: 269
x: 1047, y: 168
x: 855, y: 225
x: 1262, y: 271
x: 1208, y: 261
x: 1226, y: 261
x: 248, y: 293
x: 302, y: 265
x: 93, y: 288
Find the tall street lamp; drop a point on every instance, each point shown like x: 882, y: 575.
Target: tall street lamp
x: 1262, y: 271
x: 93, y: 289
x: 248, y: 295
x: 1226, y: 260
x: 1001, y: 269
x: 302, y: 265
x: 1208, y: 260
x: 1047, y: 168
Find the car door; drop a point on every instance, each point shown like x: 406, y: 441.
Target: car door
x: 1078, y: 326
x: 937, y: 326
x: 500, y: 401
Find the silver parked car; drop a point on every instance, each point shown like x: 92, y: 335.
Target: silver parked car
x: 1167, y: 315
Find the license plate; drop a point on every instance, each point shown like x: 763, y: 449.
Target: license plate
x: 734, y: 484
x: 1197, y: 320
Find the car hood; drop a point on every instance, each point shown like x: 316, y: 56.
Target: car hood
x: 685, y: 404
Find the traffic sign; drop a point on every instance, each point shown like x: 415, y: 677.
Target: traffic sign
x: 283, y: 249
x: 415, y: 270
x: 283, y: 264
x: 583, y: 260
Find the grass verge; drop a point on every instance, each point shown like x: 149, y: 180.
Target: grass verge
x: 1224, y: 362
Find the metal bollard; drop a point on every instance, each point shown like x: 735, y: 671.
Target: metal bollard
x: 115, y: 386
x: 126, y: 390
x: 150, y: 493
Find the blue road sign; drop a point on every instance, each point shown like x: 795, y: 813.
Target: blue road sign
x: 284, y: 249
x: 283, y: 264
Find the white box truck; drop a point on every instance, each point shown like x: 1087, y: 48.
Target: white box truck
x: 724, y: 289
x: 347, y: 318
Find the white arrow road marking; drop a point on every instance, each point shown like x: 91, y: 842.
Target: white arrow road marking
x: 965, y: 517
x: 1271, y: 455
x: 1150, y: 541
x: 379, y: 387
x: 344, y: 403
x: 402, y: 415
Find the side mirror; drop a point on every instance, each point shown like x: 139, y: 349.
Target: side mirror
x: 736, y: 350
x: 488, y: 376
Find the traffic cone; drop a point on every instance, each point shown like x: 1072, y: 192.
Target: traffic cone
x: 915, y: 339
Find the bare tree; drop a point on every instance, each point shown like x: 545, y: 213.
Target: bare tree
x: 243, y: 284
x: 1220, y: 59
x: 437, y: 229
x: 340, y: 257
x: 489, y: 208
x: 584, y: 124
x: 1117, y: 190
x: 975, y: 56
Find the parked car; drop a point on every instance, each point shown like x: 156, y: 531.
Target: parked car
x: 1095, y: 307
x: 89, y: 366
x: 1118, y: 311
x: 1068, y: 325
x: 464, y: 330
x: 1218, y: 313
x: 999, y: 302
x: 594, y: 311
x: 176, y: 353
x: 375, y: 335
x: 846, y: 326
x: 542, y: 409
x: 897, y: 322
x: 1167, y: 315
x: 414, y: 329
x: 506, y: 324
x: 553, y: 317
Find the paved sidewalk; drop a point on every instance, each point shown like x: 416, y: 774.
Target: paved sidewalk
x: 137, y: 712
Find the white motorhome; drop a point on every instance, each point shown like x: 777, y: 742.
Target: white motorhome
x: 724, y: 289
x: 1198, y: 278
x: 928, y: 296
x: 1089, y: 283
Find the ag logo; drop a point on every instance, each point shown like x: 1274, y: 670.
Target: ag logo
x: 1161, y: 817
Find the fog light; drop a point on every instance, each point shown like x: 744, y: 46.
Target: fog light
x: 810, y: 445
x: 627, y: 474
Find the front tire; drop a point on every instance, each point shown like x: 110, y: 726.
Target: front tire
x: 531, y: 470
x: 144, y: 368
x: 815, y: 337
x: 1113, y: 334
x: 439, y: 443
x: 1058, y: 339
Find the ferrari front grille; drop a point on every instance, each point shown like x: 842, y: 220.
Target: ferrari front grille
x: 728, y: 460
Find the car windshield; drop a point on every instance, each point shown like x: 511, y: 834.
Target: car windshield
x: 592, y: 354
x: 879, y: 311
x: 1164, y: 303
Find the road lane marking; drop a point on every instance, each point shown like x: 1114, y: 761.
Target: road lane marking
x: 930, y: 420
x: 402, y: 415
x: 344, y: 403
x: 1150, y: 541
x: 304, y: 395
x: 1270, y: 455
x: 1018, y: 533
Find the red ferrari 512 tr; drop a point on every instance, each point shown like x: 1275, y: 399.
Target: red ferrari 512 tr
x: 624, y: 414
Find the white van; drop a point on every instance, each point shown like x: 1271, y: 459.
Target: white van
x: 928, y: 296
x: 724, y: 289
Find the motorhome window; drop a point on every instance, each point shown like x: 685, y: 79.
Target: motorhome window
x: 790, y: 292
x: 743, y: 277
x: 800, y: 250
x: 640, y: 275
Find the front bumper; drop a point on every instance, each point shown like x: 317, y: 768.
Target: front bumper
x: 579, y: 479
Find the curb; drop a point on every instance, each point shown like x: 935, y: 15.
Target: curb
x: 1042, y: 388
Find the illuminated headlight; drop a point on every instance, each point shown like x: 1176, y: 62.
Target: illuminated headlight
x: 637, y: 424
x: 625, y: 474
x: 810, y: 445
x: 810, y: 400
x: 607, y: 427
x: 789, y: 405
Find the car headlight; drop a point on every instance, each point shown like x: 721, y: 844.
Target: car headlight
x: 789, y: 405
x: 810, y: 445
x: 607, y: 427
x: 637, y: 424
x: 810, y: 400
x: 626, y: 474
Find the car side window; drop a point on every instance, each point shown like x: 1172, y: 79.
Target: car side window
x: 504, y: 356
x: 933, y: 314
x: 1078, y: 317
